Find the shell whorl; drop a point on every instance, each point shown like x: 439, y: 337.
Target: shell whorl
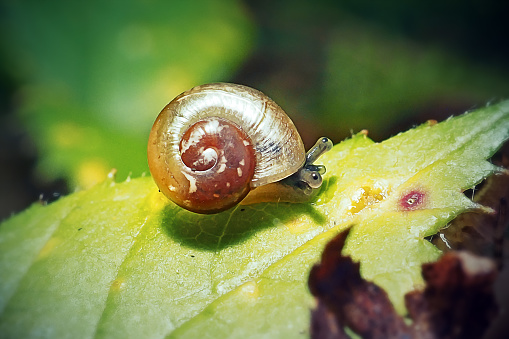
x: 266, y: 134
x: 278, y: 147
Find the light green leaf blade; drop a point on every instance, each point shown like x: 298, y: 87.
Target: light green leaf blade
x: 119, y: 260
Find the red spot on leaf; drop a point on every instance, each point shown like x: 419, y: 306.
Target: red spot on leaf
x: 413, y: 200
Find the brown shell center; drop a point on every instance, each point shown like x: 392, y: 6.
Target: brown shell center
x: 221, y: 159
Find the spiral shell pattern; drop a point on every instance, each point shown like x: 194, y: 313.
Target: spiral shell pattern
x: 212, y: 144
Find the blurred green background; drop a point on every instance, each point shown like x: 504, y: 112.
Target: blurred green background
x: 82, y: 82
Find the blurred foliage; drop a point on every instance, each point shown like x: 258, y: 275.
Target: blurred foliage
x: 378, y: 79
x: 88, y: 79
x: 97, y: 73
x: 338, y: 67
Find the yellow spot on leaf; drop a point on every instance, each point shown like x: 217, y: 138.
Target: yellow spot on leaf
x: 157, y: 200
x: 300, y: 225
x: 366, y: 196
x: 250, y: 290
x: 118, y: 284
x: 49, y: 247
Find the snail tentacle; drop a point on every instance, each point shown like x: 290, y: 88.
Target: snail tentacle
x: 309, y: 177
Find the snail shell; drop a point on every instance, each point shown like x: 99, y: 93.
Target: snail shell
x: 211, y: 145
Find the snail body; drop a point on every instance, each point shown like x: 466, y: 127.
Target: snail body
x: 212, y: 145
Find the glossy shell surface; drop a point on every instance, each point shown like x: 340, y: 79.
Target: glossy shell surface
x: 277, y: 146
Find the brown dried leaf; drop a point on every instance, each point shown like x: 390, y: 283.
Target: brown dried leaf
x: 457, y: 302
x: 481, y: 233
x: 356, y: 303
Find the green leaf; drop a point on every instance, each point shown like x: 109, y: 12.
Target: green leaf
x: 96, y: 73
x: 119, y: 260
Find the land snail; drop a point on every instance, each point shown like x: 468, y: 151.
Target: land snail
x: 218, y: 145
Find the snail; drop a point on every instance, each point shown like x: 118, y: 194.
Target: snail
x: 217, y: 145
